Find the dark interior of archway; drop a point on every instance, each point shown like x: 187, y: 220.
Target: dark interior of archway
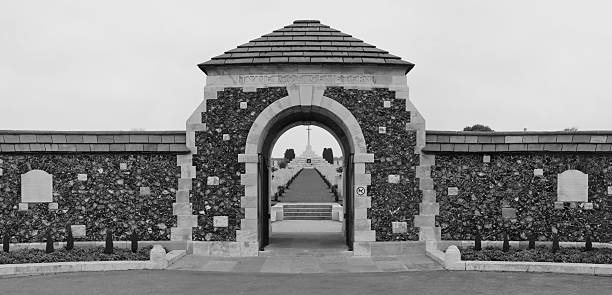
x: 280, y: 123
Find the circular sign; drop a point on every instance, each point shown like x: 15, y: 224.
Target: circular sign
x: 361, y: 190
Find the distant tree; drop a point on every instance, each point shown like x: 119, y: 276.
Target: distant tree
x: 289, y: 155
x: 328, y: 155
x: 571, y: 129
x: 478, y: 127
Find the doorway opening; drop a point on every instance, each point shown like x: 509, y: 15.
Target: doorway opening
x: 305, y: 202
x: 306, y: 193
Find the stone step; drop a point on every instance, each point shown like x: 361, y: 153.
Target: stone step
x: 307, y: 217
x: 308, y: 210
x: 306, y: 206
x: 307, y: 214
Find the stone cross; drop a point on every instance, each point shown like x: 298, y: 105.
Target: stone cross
x: 308, y: 129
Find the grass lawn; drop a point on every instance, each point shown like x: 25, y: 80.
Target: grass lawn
x: 76, y: 254
x: 540, y: 254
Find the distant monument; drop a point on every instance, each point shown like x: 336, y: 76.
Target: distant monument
x: 308, y: 159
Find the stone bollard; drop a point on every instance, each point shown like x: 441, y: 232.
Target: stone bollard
x: 158, y: 257
x: 452, y: 258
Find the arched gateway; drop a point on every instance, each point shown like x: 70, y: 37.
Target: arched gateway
x: 309, y: 73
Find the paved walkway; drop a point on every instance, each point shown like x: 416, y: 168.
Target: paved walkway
x: 190, y: 282
x: 308, y: 187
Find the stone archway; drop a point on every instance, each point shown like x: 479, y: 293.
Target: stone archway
x: 302, y: 103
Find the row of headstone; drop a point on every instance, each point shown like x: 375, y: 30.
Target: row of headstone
x: 329, y: 172
x: 281, y: 177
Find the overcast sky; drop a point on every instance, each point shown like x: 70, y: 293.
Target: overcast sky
x: 120, y: 65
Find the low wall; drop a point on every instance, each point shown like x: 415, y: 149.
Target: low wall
x: 507, y: 181
x: 120, y: 180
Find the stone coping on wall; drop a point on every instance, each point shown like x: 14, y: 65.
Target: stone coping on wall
x: 29, y: 141
x: 512, y: 141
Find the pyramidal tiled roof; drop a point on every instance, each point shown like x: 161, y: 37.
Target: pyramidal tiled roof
x: 306, y: 42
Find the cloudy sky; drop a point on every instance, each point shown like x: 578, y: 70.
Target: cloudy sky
x: 120, y: 65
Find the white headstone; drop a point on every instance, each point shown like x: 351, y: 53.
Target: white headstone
x: 453, y: 191
x: 78, y: 230
x: 220, y: 221
x: 82, y: 177
x: 573, y: 186
x: 538, y: 172
x: 36, y: 187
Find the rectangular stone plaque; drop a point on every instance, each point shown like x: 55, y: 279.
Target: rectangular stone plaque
x: 82, y: 177
x: 453, y: 191
x: 382, y: 130
x: 1, y: 171
x: 78, y: 230
x: 588, y: 206
x: 573, y: 186
x: 212, y: 180
x: 387, y: 104
x: 226, y: 137
x: 508, y: 213
x: 538, y: 172
x: 399, y: 227
x: 36, y: 187
x: 393, y: 178
x: 610, y: 190
x: 145, y: 190
x: 23, y: 206
x: 559, y: 205
x: 53, y: 206
x: 220, y: 221
x: 486, y: 158
x: 243, y: 104
x: 122, y: 166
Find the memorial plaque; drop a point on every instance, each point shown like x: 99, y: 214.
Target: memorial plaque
x: 610, y: 190
x: 393, y: 178
x: 1, y: 171
x: 82, y: 177
x: 387, y: 104
x: 23, y: 206
x: 226, y: 137
x: 382, y: 130
x: 399, y: 227
x: 212, y: 180
x: 53, y: 206
x: 508, y: 213
x: 243, y: 104
x: 122, y: 166
x: 486, y: 158
x: 220, y: 221
x: 538, y: 172
x: 145, y: 190
x: 453, y: 191
x: 588, y: 206
x: 78, y: 230
x: 559, y: 205
x: 120, y: 181
x: 36, y: 187
x: 573, y: 186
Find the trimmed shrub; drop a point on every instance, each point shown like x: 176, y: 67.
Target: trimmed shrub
x: 69, y: 239
x: 588, y: 245
x: 477, y: 241
x: 555, y: 244
x: 49, y: 248
x: 532, y: 238
x: 6, y: 241
x: 134, y: 240
x: 506, y: 246
x: 108, y: 245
